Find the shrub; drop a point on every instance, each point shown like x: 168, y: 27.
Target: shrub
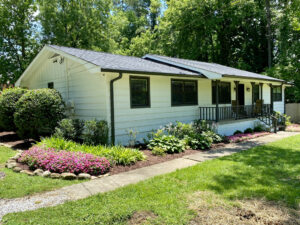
x: 202, y: 125
x: 8, y: 100
x: 38, y: 112
x: 179, y: 130
x: 70, y: 129
x: 248, y: 131
x: 199, y: 141
x: 132, y: 137
x: 215, y: 137
x: 116, y: 154
x: 95, y: 132
x: 64, y: 161
x: 237, y: 132
x: 169, y: 143
x: 258, y: 129
x: 158, y: 151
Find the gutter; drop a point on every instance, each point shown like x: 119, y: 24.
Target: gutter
x: 112, y: 108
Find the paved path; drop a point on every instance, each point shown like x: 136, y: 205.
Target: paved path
x: 109, y: 183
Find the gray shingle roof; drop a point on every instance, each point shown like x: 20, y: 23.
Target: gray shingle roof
x: 109, y: 61
x: 212, y: 67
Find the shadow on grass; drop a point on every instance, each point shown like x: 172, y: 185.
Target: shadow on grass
x: 269, y: 171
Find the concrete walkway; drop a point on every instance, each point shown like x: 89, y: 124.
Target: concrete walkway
x: 109, y: 183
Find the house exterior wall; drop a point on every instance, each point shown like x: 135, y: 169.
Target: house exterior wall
x: 90, y: 92
x: 143, y: 120
x: 87, y: 90
x: 160, y: 113
x: 229, y: 127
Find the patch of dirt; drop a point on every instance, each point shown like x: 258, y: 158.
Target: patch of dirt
x: 12, y: 139
x: 140, y: 217
x: 212, y: 209
x: 2, y: 175
x: 151, y: 160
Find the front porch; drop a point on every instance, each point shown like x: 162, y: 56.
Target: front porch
x: 237, y: 112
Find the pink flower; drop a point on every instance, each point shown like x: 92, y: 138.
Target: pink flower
x: 64, y: 161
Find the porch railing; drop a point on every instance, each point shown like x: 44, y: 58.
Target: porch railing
x: 233, y: 112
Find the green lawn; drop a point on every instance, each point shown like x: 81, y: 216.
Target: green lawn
x: 271, y: 172
x: 18, y: 185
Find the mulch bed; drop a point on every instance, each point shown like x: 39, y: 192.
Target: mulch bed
x: 293, y: 128
x: 151, y: 160
x: 12, y: 139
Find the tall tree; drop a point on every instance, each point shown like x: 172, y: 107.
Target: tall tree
x: 18, y: 40
x: 75, y: 23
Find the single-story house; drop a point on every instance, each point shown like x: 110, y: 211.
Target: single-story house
x: 146, y: 93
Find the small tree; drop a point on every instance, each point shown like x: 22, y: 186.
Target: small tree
x: 8, y: 99
x: 38, y: 113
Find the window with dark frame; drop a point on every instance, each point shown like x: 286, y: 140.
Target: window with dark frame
x: 277, y: 93
x: 51, y: 85
x: 184, y: 92
x: 224, y: 92
x: 139, y: 92
x: 256, y: 92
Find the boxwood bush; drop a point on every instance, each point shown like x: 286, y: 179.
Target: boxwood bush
x: 70, y: 129
x: 38, y: 113
x: 8, y: 99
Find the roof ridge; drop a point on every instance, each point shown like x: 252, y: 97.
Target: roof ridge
x: 88, y: 50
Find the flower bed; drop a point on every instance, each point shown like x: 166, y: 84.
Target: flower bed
x: 243, y: 137
x: 64, y: 161
x: 293, y: 128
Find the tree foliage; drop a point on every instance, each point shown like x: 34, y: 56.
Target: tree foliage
x: 236, y: 33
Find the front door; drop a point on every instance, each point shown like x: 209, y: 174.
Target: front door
x: 241, y: 94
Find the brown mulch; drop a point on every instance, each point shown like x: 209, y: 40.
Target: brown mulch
x: 151, y: 160
x: 12, y: 139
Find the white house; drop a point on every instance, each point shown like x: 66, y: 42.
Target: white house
x: 149, y: 92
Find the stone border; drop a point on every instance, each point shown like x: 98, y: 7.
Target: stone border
x: 12, y: 164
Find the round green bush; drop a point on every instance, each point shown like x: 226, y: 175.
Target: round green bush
x: 248, y: 131
x: 237, y: 132
x: 38, y: 113
x: 8, y: 100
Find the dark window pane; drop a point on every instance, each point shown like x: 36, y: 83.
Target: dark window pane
x: 277, y: 93
x: 256, y: 92
x: 140, y: 93
x: 224, y: 93
x: 184, y: 92
x: 51, y: 85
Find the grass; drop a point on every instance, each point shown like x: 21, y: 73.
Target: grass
x: 270, y: 172
x: 17, y: 185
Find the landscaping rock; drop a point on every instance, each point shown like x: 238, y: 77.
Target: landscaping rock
x: 93, y: 177
x: 38, y: 172
x: 83, y: 176
x: 46, y: 174
x: 11, y: 165
x: 17, y: 169
x: 28, y: 172
x: 11, y: 161
x: 68, y: 176
x: 55, y: 175
x: 16, y: 156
